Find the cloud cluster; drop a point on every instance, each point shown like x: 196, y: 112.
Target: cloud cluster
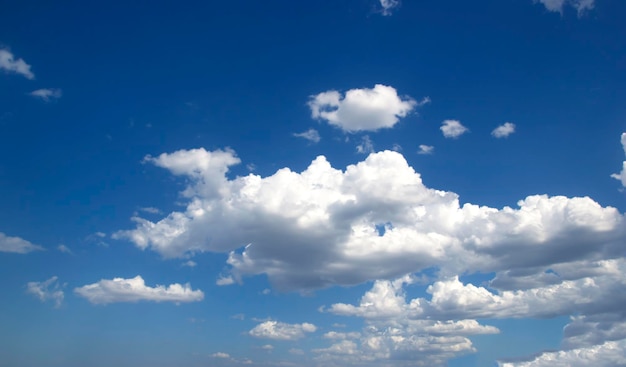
x: 581, y: 6
x: 47, y: 290
x: 281, y: 331
x: 373, y: 220
x: 608, y: 354
x: 16, y: 245
x: 134, y: 290
x: 362, y: 109
x: 10, y: 64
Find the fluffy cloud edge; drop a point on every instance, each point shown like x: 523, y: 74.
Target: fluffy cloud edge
x: 134, y: 290
x: 17, y: 245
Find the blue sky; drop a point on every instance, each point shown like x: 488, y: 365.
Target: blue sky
x: 313, y: 183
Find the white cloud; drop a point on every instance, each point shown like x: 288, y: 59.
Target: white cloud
x: 151, y: 210
x: 388, y: 6
x: 366, y: 146
x: 190, y: 264
x: 281, y: 331
x: 581, y: 6
x: 220, y: 355
x: 341, y: 336
x: 134, y: 290
x: 17, y: 245
x: 296, y: 351
x: 426, y: 149
x: 311, y: 135
x: 622, y: 175
x: 47, y: 290
x: 10, y: 64
x: 609, y: 354
x: 47, y: 94
x: 225, y: 280
x: 64, y: 249
x: 361, y: 109
x: 503, y: 130
x: 452, y: 129
x: 323, y: 226
x: 267, y: 347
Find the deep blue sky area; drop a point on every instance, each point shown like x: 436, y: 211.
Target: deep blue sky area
x: 165, y: 198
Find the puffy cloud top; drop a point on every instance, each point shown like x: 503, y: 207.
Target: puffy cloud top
x: 362, y: 109
x: 281, y: 331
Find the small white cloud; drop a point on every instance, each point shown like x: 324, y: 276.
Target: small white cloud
x: 281, y: 331
x: 16, y: 245
x: 388, y: 6
x: 396, y: 147
x: 296, y: 351
x: 426, y: 149
x: 622, y: 175
x: 557, y: 6
x: 190, y: 263
x: 221, y: 355
x: 267, y: 347
x: 503, y: 130
x: 266, y: 291
x: 10, y: 64
x: 47, y: 290
x: 453, y: 128
x: 134, y: 290
x: 311, y: 135
x: 100, y: 234
x: 64, y: 249
x: 151, y: 210
x: 225, y: 280
x: 366, y: 145
x: 361, y: 109
x: 47, y: 94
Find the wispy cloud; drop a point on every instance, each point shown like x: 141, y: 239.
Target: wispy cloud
x: 47, y: 290
x: 17, y: 245
x: 10, y: 64
x: 426, y: 149
x: 503, y: 130
x: 311, y: 135
x: 388, y: 6
x: 47, y: 94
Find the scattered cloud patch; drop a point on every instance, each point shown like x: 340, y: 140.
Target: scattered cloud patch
x: 47, y: 94
x: 49, y: 290
x: 622, y: 175
x: 225, y: 280
x: 151, y: 210
x: 221, y: 355
x: 361, y: 109
x: 267, y: 347
x: 426, y: 149
x: 134, y: 289
x: 581, y: 6
x: 64, y: 249
x: 388, y: 6
x: 503, y: 130
x: 190, y: 264
x: 17, y: 245
x: 281, y: 331
x: 10, y: 64
x: 311, y: 135
x: 366, y: 146
x: 452, y: 129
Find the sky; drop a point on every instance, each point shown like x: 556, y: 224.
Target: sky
x: 313, y: 183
